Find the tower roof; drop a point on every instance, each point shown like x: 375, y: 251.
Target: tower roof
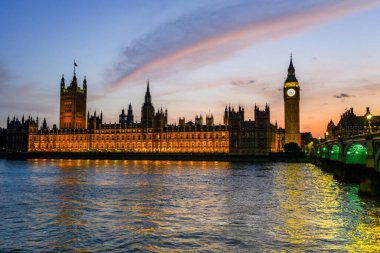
x: 291, y: 72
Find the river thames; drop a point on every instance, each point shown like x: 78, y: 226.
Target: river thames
x: 166, y: 206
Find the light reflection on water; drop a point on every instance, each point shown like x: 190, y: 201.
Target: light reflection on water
x: 161, y: 206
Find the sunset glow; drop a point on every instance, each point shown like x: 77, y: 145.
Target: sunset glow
x: 199, y: 57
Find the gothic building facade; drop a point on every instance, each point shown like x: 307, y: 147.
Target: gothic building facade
x: 153, y: 134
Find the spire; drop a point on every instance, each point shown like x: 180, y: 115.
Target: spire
x: 291, y: 71
x: 75, y: 65
x: 291, y: 67
x: 147, y: 94
x: 62, y: 82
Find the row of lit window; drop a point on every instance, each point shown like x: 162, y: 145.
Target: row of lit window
x: 196, y: 143
x: 132, y: 145
x: 126, y: 137
x: 182, y: 150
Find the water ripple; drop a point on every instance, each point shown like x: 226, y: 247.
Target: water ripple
x: 158, y: 206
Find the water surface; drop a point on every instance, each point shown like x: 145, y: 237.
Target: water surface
x: 166, y: 206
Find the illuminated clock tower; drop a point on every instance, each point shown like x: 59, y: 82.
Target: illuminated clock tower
x: 292, y: 107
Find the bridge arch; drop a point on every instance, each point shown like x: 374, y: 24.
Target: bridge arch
x: 318, y: 153
x: 334, y: 152
x: 325, y: 152
x: 355, y: 153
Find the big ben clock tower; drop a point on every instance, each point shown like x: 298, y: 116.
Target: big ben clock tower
x: 292, y: 107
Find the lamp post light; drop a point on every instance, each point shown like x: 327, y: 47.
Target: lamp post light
x: 327, y: 136
x: 368, y: 116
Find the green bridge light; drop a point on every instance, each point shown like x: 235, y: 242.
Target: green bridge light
x: 356, y: 154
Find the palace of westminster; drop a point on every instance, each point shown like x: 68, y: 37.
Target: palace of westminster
x: 79, y: 132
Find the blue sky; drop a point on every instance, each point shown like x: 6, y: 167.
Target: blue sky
x: 199, y: 56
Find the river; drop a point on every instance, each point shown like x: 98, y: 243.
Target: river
x: 171, y: 206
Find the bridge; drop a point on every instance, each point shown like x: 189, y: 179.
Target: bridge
x: 354, y: 158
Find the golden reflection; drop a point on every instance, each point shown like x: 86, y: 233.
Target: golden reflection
x: 326, y: 215
x: 366, y: 236
x: 300, y: 214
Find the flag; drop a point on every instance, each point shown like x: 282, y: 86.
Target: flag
x: 75, y: 64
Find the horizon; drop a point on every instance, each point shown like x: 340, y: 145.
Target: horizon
x: 199, y: 57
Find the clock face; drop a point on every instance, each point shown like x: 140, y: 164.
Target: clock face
x: 291, y: 92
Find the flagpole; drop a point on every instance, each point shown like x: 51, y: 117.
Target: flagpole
x: 74, y: 67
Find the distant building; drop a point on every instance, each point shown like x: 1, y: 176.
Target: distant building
x: 78, y: 133
x: 350, y: 124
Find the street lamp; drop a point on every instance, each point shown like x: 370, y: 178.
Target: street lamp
x: 368, y: 116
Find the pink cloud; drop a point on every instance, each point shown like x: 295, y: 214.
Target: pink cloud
x: 224, y: 45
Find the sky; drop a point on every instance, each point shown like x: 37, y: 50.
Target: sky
x: 198, y: 55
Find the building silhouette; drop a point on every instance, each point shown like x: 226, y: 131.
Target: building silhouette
x: 153, y: 134
x: 20, y: 133
x: 350, y: 124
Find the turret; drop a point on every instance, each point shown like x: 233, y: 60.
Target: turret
x: 85, y: 84
x: 44, y: 125
x: 181, y: 121
x: 198, y: 120
x: 122, y: 118
x: 130, y: 115
x: 225, y: 117
x: 62, y: 83
x: 210, y: 120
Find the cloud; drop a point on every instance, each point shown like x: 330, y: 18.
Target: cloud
x: 213, y: 34
x: 342, y: 95
x: 242, y: 82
